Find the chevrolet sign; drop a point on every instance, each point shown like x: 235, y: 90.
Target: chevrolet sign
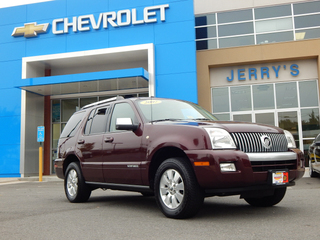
x: 87, y: 22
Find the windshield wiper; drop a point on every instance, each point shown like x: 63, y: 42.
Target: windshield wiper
x: 168, y: 119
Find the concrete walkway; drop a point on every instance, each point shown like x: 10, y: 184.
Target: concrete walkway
x: 49, y: 178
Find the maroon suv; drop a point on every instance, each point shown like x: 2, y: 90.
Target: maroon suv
x: 177, y: 151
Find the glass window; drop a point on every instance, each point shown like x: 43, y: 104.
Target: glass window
x: 235, y: 16
x: 206, y: 32
x: 55, y: 134
x: 207, y: 44
x: 69, y: 106
x: 121, y: 110
x: 86, y: 101
x: 307, y: 21
x: 220, y: 100
x: 289, y: 121
x: 265, y: 118
x: 308, y: 93
x: 310, y: 122
x: 236, y: 41
x: 222, y: 117
x: 286, y: 94
x: 270, y: 12
x: 274, y: 25
x: 235, y: 29
x: 89, y: 122
x: 99, y: 121
x: 242, y: 118
x: 73, y: 124
x: 307, y: 33
x: 275, y: 37
x: 240, y: 98
x: 307, y: 7
x: 55, y: 110
x: 263, y: 97
x: 206, y: 20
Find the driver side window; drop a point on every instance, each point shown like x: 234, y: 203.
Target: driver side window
x: 121, y: 110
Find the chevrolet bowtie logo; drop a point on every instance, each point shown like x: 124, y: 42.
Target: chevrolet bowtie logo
x: 30, y: 30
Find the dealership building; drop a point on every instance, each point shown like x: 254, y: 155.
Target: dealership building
x: 249, y: 60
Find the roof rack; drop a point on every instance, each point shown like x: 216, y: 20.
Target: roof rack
x: 103, y: 101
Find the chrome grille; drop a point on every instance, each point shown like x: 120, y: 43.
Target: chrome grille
x: 251, y: 142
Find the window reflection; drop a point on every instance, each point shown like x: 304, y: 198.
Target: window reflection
x: 265, y: 118
x: 286, y: 94
x: 235, y: 29
x: 241, y: 98
x: 206, y: 32
x: 307, y: 33
x: 235, y: 16
x: 307, y: 21
x: 222, y: 117
x: 307, y: 7
x: 270, y: 12
x: 220, y: 100
x: 274, y: 37
x: 274, y: 25
x: 263, y: 97
x: 310, y: 122
x: 242, y: 118
x: 236, y: 41
x: 308, y: 93
x: 289, y: 121
x: 206, y: 44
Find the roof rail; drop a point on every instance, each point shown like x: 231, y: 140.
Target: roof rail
x: 103, y: 101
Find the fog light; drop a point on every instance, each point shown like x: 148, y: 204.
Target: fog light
x: 227, y: 167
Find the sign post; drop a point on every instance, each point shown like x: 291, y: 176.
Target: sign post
x: 40, y: 139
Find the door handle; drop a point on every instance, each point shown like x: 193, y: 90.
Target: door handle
x: 108, y: 139
x: 81, y: 141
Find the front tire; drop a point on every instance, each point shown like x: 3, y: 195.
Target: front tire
x: 312, y: 173
x: 74, y: 185
x: 269, y: 200
x: 177, y: 192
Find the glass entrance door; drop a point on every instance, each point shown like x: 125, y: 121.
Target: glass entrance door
x: 289, y: 121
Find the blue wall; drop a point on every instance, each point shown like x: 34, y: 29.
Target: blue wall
x: 174, y: 41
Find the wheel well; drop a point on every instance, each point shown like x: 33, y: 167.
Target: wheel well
x: 160, y: 156
x: 68, y: 160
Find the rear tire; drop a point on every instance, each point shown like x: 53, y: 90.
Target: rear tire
x: 177, y: 191
x: 74, y: 185
x: 269, y: 200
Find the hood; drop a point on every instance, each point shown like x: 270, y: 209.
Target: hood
x: 229, y: 126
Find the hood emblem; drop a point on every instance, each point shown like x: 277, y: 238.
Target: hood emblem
x: 266, y: 141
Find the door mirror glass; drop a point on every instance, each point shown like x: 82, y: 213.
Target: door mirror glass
x: 125, y: 124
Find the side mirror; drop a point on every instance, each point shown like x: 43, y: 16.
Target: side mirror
x: 317, y: 144
x: 126, y: 124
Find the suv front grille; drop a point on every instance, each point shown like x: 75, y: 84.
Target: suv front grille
x: 251, y: 142
x: 260, y: 166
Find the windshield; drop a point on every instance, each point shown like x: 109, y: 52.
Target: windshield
x: 168, y: 109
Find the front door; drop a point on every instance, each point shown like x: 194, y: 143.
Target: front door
x: 122, y: 149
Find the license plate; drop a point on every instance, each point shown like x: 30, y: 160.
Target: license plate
x: 280, y: 177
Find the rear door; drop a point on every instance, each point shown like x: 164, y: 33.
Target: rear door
x: 122, y: 152
x: 89, y: 144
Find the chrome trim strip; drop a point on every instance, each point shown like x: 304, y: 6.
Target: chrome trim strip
x: 274, y: 156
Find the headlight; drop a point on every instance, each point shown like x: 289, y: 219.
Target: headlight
x: 290, y: 139
x: 220, y: 139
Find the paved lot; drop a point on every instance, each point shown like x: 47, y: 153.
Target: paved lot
x: 33, y: 210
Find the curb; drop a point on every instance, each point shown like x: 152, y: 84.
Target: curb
x: 51, y: 178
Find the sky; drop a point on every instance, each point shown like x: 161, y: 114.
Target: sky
x: 11, y: 3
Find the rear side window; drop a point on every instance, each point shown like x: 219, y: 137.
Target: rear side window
x: 97, y: 121
x: 72, y: 125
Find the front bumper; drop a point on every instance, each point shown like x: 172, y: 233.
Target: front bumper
x: 58, y: 166
x: 245, y: 177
